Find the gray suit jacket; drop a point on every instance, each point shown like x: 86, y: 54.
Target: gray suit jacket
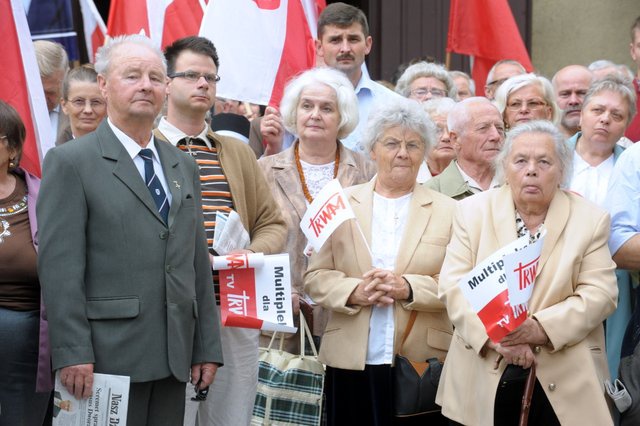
x: 122, y: 289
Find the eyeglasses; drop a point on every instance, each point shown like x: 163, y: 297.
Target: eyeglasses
x: 93, y: 103
x: 424, y: 91
x: 531, y: 105
x: 393, y: 145
x: 195, y: 76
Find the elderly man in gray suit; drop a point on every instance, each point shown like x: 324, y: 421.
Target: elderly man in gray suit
x: 123, y: 255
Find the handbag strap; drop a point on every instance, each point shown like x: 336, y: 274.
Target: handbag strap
x: 304, y: 330
x: 407, y: 330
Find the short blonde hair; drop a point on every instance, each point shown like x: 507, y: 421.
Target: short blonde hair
x: 517, y: 82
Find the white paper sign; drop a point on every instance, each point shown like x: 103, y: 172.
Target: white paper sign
x: 106, y: 406
x: 255, y: 291
x: 328, y: 210
x: 521, y: 269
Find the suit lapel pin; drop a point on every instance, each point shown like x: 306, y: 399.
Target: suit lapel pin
x: 175, y: 182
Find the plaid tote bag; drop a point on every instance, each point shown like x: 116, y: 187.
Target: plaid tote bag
x: 289, y: 386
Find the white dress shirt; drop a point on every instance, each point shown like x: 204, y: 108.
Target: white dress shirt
x: 591, y: 181
x: 389, y: 221
x: 473, y: 185
x: 133, y: 149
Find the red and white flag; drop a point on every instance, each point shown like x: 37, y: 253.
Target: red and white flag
x: 261, y: 43
x: 163, y: 21
x: 20, y: 84
x: 328, y: 210
x: 95, y: 30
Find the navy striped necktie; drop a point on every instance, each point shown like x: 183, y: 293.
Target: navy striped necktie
x: 153, y: 183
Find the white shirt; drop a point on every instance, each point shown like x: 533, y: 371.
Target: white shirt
x: 369, y: 94
x: 589, y: 181
x: 175, y: 135
x: 54, y: 116
x: 473, y: 185
x: 389, y: 220
x: 133, y: 149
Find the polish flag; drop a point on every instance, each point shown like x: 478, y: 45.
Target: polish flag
x: 95, y: 30
x: 182, y: 18
x: 261, y: 43
x: 128, y: 17
x: 20, y: 84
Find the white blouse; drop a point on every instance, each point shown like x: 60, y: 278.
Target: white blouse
x: 388, y: 223
x: 589, y: 181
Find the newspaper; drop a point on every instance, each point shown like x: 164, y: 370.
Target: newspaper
x: 229, y: 233
x: 106, y: 406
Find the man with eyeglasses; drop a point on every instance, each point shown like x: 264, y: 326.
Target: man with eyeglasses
x: 499, y: 73
x: 571, y: 84
x: 231, y: 180
x: 477, y: 133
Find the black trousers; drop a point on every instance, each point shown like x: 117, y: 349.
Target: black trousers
x: 156, y: 403
x: 366, y: 398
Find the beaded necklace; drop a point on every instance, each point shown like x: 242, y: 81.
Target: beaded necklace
x: 303, y: 182
x: 16, y: 208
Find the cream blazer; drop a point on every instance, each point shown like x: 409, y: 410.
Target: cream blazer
x: 574, y: 292
x: 335, y: 271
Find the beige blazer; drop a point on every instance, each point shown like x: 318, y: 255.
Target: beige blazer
x: 574, y: 292
x: 336, y: 270
x: 282, y: 176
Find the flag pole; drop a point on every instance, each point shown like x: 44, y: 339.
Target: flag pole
x: 447, y: 61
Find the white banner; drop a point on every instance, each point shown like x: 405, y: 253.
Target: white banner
x: 521, y: 269
x: 328, y: 210
x: 255, y: 291
x: 106, y: 406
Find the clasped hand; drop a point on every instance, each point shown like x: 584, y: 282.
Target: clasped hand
x: 380, y: 287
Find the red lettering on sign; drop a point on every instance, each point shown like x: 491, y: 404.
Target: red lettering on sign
x: 327, y: 213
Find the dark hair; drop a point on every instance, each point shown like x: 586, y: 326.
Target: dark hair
x: 12, y: 127
x: 634, y: 27
x: 199, y: 45
x: 84, y: 73
x: 342, y: 15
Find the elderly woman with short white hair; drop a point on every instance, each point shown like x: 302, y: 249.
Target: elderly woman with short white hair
x: 526, y: 97
x: 441, y: 152
x: 483, y: 381
x: 378, y: 269
x: 319, y: 107
x: 426, y: 80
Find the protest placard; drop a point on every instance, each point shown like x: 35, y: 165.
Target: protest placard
x: 107, y: 405
x: 493, y: 286
x: 255, y: 291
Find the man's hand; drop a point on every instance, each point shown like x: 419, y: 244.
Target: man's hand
x: 202, y: 375
x: 78, y: 379
x: 272, y: 131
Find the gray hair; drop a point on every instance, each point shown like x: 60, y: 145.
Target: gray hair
x: 399, y: 112
x: 425, y: 69
x: 346, y: 96
x: 503, y: 62
x: 518, y: 82
x: 51, y: 57
x: 616, y: 84
x: 105, y: 52
x: 564, y: 154
x: 459, y: 116
x: 472, y: 84
x: 438, y: 106
x: 601, y: 64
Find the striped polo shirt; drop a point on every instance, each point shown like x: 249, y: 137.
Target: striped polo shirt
x: 216, y: 195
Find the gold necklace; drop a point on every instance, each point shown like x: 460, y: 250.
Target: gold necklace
x: 303, y: 182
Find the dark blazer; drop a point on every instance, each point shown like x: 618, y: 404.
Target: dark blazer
x: 123, y: 289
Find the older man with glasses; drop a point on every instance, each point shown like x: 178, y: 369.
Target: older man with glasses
x: 499, y: 73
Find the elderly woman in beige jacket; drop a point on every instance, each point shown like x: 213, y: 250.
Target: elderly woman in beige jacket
x: 319, y: 107
x: 375, y: 270
x: 575, y: 290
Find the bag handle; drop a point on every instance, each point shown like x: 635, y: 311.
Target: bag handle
x: 407, y: 330
x: 304, y: 330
